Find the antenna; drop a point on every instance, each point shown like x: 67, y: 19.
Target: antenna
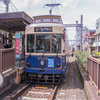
x: 52, y: 5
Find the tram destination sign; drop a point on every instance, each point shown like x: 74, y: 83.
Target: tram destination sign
x: 43, y: 29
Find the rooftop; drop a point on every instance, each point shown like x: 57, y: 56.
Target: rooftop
x: 14, y: 21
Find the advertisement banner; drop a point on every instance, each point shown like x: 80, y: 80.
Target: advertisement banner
x: 17, y: 46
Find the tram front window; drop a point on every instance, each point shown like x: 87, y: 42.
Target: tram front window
x: 56, y: 43
x: 30, y: 43
x: 42, y: 43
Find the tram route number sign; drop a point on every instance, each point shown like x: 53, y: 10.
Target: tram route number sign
x: 17, y: 46
x: 43, y: 29
x: 51, y: 62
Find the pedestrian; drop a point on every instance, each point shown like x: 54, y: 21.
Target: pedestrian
x: 3, y: 45
x: 72, y: 54
x: 9, y: 44
x: 0, y: 45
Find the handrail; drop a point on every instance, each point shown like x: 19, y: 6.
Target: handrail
x: 7, y: 59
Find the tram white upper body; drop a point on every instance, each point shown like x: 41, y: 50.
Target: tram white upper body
x: 45, y: 24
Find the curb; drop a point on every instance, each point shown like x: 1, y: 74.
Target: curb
x: 84, y: 81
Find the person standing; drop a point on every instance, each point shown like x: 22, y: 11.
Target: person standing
x: 9, y: 44
x: 1, y: 45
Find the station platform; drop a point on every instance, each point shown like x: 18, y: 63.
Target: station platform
x: 11, y: 78
x: 90, y: 89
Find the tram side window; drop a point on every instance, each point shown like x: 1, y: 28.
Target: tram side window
x: 55, y: 20
x: 42, y: 43
x: 37, y: 20
x: 46, y: 20
x: 56, y: 43
x: 30, y: 43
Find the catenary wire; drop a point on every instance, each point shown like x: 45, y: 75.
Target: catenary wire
x: 14, y: 6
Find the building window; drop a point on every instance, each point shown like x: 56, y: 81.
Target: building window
x: 95, y: 37
x: 99, y: 37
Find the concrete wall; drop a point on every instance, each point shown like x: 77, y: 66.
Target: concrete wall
x: 10, y: 79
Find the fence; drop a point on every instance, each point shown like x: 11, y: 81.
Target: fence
x: 7, y: 59
x: 93, y: 69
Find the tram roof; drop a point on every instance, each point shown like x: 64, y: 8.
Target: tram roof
x: 47, y: 16
x: 14, y: 21
x: 44, y: 24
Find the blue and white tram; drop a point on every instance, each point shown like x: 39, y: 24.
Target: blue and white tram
x: 46, y: 58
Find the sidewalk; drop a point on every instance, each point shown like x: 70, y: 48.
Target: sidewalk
x: 88, y: 85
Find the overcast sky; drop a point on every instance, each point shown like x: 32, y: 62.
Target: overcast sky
x: 70, y: 12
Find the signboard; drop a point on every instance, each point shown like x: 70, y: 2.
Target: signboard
x: 43, y: 29
x: 96, y: 44
x: 18, y: 37
x: 17, y: 45
x: 51, y: 62
x: 20, y: 46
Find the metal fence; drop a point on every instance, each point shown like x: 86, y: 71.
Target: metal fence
x: 93, y: 69
x: 7, y: 59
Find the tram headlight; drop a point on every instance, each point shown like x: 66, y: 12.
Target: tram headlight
x: 42, y: 62
x: 58, y: 65
x: 28, y: 64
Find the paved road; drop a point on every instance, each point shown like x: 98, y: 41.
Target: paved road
x: 71, y: 88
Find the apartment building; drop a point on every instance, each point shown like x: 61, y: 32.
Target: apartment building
x: 96, y: 43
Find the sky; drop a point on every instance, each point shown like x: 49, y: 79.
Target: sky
x: 70, y: 12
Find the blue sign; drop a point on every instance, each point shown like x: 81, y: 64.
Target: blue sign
x: 51, y: 62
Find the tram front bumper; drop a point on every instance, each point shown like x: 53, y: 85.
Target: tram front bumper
x: 43, y: 71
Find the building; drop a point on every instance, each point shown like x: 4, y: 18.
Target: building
x: 96, y: 43
x: 91, y: 38
x: 85, y: 38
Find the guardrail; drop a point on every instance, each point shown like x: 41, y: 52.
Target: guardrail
x: 7, y: 59
x: 93, y: 70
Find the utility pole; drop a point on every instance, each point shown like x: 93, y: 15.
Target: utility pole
x: 81, y: 31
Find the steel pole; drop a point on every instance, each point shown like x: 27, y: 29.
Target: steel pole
x: 81, y: 31
x: 76, y: 34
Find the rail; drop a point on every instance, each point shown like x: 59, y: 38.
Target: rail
x: 7, y: 59
x: 93, y: 70
x: 18, y: 95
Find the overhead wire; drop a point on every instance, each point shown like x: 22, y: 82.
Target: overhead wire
x: 57, y: 8
x: 14, y: 6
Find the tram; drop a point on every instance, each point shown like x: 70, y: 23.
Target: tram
x: 46, y: 50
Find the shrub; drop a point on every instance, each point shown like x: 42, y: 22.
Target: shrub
x: 82, y: 57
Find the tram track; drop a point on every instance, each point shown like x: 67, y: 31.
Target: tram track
x: 35, y: 92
